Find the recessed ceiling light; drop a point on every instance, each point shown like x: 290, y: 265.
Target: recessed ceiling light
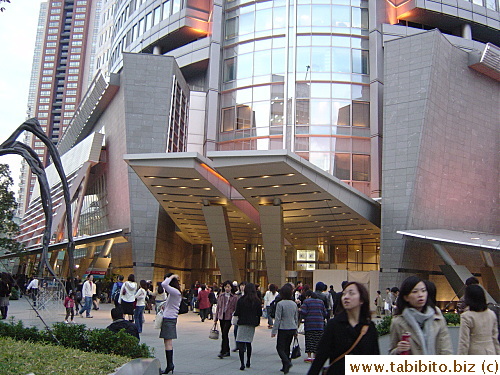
x: 475, y: 238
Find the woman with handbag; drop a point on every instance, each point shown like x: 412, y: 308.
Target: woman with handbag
x: 285, y: 325
x: 170, y: 312
x: 350, y: 332
x: 226, y: 304
x: 248, y: 312
x: 416, y: 314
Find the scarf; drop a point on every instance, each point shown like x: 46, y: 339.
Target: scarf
x: 427, y: 335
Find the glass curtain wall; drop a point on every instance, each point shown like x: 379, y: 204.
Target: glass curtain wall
x: 295, y: 77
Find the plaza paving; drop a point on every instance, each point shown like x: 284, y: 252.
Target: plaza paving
x: 194, y: 352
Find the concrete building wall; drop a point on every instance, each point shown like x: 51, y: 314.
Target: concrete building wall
x: 440, y: 125
x: 146, y: 81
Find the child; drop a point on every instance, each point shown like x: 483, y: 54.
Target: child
x: 69, y: 303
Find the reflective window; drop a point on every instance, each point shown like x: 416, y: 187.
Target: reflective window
x: 229, y: 70
x: 361, y: 167
x: 360, y: 18
x: 341, y: 91
x: 228, y: 119
x: 279, y: 17
x: 341, y: 111
x: 320, y: 159
x: 321, y: 15
x: 304, y: 15
x: 361, y: 114
x: 246, y: 23
x: 262, y: 63
x: 231, y: 28
x: 341, y: 16
x: 176, y: 6
x: 157, y: 14
x: 264, y: 20
x: 278, y: 61
x: 342, y: 166
x: 244, y: 116
x: 320, y: 59
x: 341, y: 144
x: 245, y: 66
x: 166, y: 9
x: 359, y: 61
x: 320, y: 112
x: 341, y: 60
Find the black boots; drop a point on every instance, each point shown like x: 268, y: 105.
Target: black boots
x: 170, y: 361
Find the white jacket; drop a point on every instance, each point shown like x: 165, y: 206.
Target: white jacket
x: 127, y: 293
x: 87, y: 290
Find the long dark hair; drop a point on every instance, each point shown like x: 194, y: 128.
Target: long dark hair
x: 174, y: 283
x: 475, y: 298
x: 250, y: 295
x: 364, y: 297
x: 405, y: 290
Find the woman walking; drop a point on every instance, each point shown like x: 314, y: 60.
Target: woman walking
x: 203, y: 302
x: 140, y: 303
x: 268, y: 299
x: 168, y: 330
x: 248, y: 310
x: 285, y: 325
x: 314, y: 313
x: 226, y: 304
x: 416, y: 314
x: 127, y: 297
x: 350, y: 332
x: 478, y: 326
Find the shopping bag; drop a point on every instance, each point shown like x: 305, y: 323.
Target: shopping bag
x: 301, y: 330
x: 214, y: 333
x: 159, y: 316
x: 296, y: 353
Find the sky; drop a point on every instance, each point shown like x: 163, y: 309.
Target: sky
x: 18, y: 23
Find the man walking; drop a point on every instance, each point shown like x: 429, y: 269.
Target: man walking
x: 33, y: 286
x: 87, y: 292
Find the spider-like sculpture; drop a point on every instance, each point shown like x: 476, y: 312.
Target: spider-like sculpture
x: 12, y: 146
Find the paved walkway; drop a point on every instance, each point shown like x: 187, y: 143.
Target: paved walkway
x: 194, y: 352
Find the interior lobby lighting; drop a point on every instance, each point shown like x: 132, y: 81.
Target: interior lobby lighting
x: 290, y: 174
x: 265, y: 176
x: 182, y: 187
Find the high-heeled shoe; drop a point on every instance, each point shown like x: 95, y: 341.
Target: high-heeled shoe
x: 242, y: 367
x: 168, y: 369
x: 248, y: 364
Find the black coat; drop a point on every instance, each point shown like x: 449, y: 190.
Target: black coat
x: 129, y: 327
x: 248, y: 314
x: 338, y: 337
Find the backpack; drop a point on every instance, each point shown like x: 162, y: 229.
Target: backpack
x: 116, y: 294
x: 272, y: 306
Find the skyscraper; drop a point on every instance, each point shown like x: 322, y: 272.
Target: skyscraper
x: 274, y: 140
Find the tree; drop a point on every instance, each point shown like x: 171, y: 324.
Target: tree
x: 8, y: 205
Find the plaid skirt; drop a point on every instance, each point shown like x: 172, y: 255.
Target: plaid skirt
x: 312, y: 340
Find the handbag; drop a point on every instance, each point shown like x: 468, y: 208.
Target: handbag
x: 183, y: 307
x: 214, y: 332
x: 296, y: 352
x: 364, y: 329
x: 301, y: 330
x: 159, y: 316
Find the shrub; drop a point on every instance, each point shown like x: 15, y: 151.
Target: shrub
x: 77, y: 336
x: 384, y: 326
x: 452, y: 318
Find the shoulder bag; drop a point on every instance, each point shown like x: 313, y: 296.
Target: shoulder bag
x: 364, y: 329
x: 214, y: 332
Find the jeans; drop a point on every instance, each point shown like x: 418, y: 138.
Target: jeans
x: 283, y: 343
x: 270, y: 321
x: 225, y: 326
x: 87, y: 306
x: 138, y: 317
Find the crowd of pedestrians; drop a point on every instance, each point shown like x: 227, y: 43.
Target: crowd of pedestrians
x: 335, y: 324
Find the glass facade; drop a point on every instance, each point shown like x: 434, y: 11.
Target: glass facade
x: 296, y: 76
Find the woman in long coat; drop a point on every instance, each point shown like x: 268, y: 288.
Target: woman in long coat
x: 478, y: 326
x: 226, y: 304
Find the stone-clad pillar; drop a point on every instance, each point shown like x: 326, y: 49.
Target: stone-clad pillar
x: 271, y: 220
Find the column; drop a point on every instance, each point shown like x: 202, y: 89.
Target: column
x: 271, y: 221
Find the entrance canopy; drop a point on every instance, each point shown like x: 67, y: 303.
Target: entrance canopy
x: 317, y: 208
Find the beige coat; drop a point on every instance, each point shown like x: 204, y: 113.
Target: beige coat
x: 400, y: 326
x: 478, y: 333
